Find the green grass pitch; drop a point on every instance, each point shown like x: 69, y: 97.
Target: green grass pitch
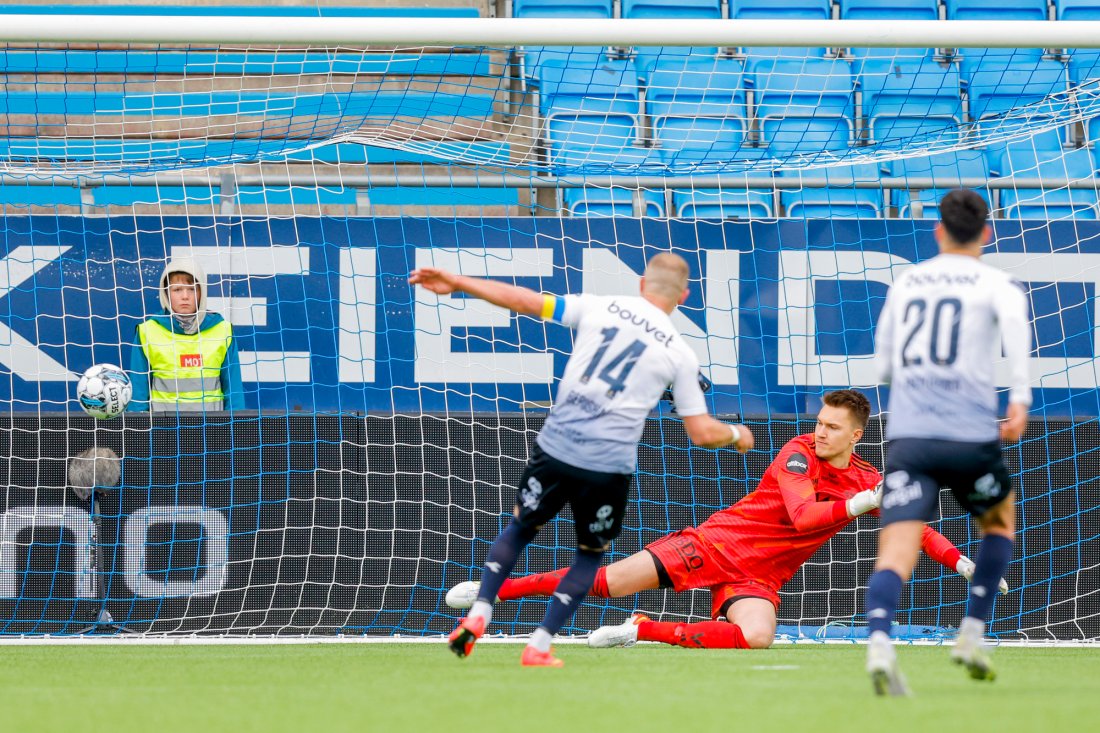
x: 422, y: 687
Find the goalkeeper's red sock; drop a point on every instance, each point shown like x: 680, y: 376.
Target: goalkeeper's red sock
x: 539, y: 584
x: 703, y: 635
x: 543, y: 584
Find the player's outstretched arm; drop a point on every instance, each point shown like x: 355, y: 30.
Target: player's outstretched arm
x: 705, y: 431
x: 441, y: 282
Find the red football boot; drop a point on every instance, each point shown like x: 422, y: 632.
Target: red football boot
x: 532, y: 657
x: 462, y: 639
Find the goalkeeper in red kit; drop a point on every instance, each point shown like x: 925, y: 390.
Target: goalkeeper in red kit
x: 746, y: 552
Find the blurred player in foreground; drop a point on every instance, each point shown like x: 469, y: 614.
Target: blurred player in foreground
x: 745, y: 553
x: 940, y: 333
x: 626, y: 352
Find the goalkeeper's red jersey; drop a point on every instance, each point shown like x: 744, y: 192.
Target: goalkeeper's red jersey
x: 798, y: 506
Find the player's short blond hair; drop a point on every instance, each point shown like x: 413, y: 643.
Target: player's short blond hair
x: 666, y: 275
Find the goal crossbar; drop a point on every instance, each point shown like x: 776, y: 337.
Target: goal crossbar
x: 29, y: 28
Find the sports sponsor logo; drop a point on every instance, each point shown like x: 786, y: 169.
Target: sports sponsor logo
x: 900, y: 491
x: 206, y: 580
x: 531, y: 494
x: 689, y: 554
x: 641, y: 321
x: 191, y: 361
x: 604, y: 520
x: 798, y: 463
x: 987, y: 487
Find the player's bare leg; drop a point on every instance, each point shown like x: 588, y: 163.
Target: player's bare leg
x: 756, y: 619
x: 998, y: 527
x: 899, y: 547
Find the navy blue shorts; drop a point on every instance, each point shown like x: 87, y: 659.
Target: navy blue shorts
x: 598, y: 499
x: 916, y: 468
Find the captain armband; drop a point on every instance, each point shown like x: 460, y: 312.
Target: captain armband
x: 553, y: 307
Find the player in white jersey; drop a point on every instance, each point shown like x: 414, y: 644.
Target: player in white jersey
x: 942, y: 329
x: 626, y: 353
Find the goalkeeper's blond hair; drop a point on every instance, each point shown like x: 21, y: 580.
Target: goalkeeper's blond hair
x: 666, y: 276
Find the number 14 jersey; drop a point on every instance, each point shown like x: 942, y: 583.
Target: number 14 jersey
x: 626, y: 352
x: 938, y: 340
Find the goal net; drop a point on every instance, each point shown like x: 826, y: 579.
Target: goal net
x: 384, y: 429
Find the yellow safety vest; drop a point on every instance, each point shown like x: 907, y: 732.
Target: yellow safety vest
x: 185, y: 369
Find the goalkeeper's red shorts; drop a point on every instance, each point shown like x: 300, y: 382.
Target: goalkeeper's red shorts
x: 688, y: 561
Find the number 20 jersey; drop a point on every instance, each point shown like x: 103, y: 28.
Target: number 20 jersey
x: 938, y: 340
x: 626, y: 352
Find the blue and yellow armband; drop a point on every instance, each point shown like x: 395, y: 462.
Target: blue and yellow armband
x: 553, y: 307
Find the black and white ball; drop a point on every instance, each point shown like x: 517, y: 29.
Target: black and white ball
x: 104, y: 391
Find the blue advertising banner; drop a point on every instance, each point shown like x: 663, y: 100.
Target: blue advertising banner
x: 780, y: 311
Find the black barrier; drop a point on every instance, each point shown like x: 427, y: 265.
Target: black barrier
x: 319, y: 524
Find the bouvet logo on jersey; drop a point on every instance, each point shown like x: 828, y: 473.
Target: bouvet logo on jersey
x: 604, y: 520
x: 798, y: 463
x: 78, y: 532
x: 639, y: 320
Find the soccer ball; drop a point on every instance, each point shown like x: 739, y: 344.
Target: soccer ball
x: 104, y: 391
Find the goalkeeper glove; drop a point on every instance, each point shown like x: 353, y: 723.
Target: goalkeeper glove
x: 965, y: 567
x: 865, y: 501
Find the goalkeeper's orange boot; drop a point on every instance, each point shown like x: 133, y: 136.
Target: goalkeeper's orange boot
x: 532, y: 657
x: 462, y: 639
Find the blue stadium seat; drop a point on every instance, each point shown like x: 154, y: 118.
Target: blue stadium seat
x: 1084, y: 63
x: 647, y: 56
x: 1077, y: 9
x: 590, y: 114
x: 672, y: 8
x: 748, y: 195
x: 697, y: 110
x: 1023, y: 10
x: 534, y: 56
x: 903, y: 99
x: 995, y: 87
x: 1027, y: 161
x: 610, y: 202
x: 562, y: 9
x: 791, y: 9
x: 772, y: 10
x: 840, y: 199
x: 949, y: 167
x: 889, y: 10
x: 731, y: 202
x: 997, y: 10
x: 804, y: 106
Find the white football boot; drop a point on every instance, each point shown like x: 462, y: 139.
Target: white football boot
x: 625, y: 634
x: 882, y: 666
x: 464, y: 594
x: 971, y: 652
